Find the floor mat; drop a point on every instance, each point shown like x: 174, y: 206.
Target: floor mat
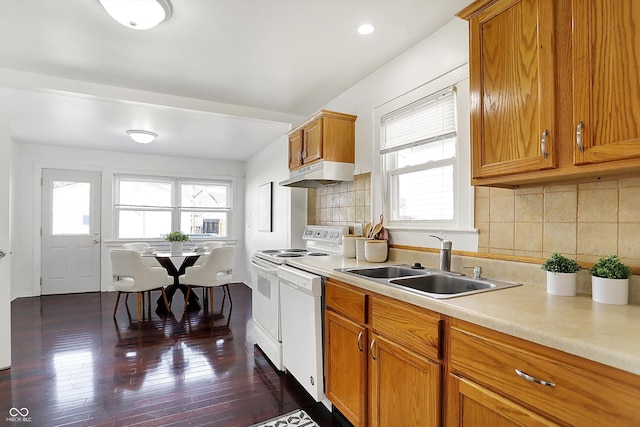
x: 297, y: 418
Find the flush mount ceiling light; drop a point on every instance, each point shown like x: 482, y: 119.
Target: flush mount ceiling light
x: 365, y: 29
x: 142, y: 136
x: 138, y: 14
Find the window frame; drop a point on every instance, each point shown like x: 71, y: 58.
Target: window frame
x: 415, y: 232
x: 175, y: 209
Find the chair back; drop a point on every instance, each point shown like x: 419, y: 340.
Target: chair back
x: 212, y: 245
x: 136, y: 246
x: 215, y: 271
x: 129, y: 263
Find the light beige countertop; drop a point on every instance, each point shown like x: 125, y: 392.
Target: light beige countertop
x: 608, y: 334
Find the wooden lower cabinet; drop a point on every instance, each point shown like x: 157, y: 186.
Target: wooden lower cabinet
x: 346, y: 366
x: 473, y: 405
x: 381, y: 359
x: 500, y: 380
x: 405, y: 387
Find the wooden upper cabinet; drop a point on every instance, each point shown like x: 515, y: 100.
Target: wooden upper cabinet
x: 295, y: 149
x: 512, y: 87
x: 606, y: 67
x: 312, y: 134
x: 326, y: 135
x: 560, y: 71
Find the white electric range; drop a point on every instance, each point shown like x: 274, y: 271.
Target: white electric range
x: 287, y: 307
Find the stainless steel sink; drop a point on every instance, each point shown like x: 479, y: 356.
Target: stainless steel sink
x: 428, y: 282
x: 384, y: 272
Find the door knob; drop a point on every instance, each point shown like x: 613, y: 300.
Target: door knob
x: 2, y: 253
x: 96, y: 241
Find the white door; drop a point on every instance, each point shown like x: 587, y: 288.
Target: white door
x: 70, y: 231
x: 5, y: 274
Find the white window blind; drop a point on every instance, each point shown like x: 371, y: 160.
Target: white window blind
x: 424, y: 121
x: 418, y: 147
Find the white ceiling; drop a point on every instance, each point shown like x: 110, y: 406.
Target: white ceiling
x: 221, y: 79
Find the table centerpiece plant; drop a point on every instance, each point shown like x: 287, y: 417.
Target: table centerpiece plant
x: 610, y: 281
x: 176, y: 239
x: 561, y: 275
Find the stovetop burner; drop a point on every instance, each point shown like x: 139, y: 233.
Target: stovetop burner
x: 289, y: 255
x: 317, y: 254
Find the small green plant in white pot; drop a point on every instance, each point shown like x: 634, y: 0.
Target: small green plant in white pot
x: 610, y: 281
x: 561, y: 275
x: 176, y: 239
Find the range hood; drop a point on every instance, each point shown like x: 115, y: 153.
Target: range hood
x: 320, y: 174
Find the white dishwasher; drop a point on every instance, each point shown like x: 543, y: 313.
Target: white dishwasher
x: 301, y: 316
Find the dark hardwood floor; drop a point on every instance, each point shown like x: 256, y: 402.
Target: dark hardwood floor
x: 72, y: 365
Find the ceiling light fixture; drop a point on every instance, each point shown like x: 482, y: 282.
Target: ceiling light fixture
x: 365, y: 29
x: 142, y: 136
x: 138, y: 14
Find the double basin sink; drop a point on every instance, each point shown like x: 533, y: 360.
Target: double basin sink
x: 429, y: 282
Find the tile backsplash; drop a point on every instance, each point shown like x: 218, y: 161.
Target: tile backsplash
x: 341, y: 204
x: 584, y: 220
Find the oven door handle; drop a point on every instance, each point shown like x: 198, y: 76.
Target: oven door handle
x: 265, y: 269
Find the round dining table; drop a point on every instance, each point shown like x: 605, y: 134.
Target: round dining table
x: 176, y: 264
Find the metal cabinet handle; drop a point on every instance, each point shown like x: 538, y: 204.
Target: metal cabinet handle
x: 359, y: 342
x: 543, y: 143
x: 2, y: 253
x: 534, y: 380
x: 373, y: 342
x: 579, y: 136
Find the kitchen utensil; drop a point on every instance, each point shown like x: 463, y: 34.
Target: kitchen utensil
x: 375, y: 231
x: 367, y: 229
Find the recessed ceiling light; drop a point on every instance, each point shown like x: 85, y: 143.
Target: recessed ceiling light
x: 365, y: 29
x: 138, y: 14
x: 142, y: 136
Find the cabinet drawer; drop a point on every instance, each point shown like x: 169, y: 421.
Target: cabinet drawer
x: 583, y: 392
x: 414, y: 327
x: 347, y: 300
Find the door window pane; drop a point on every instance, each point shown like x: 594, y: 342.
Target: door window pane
x: 70, y: 205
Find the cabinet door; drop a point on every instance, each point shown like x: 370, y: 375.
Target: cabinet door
x: 295, y: 150
x: 346, y: 366
x: 471, y: 405
x: 405, y: 387
x: 606, y: 57
x: 312, y: 141
x: 512, y: 88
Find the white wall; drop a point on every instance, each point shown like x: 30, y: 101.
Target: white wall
x: 31, y: 159
x: 289, y: 214
x: 443, y: 51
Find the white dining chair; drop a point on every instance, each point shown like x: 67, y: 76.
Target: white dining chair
x: 132, y: 274
x: 215, y: 271
x: 140, y: 247
x: 209, y: 246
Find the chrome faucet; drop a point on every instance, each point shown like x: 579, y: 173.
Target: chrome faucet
x: 445, y: 253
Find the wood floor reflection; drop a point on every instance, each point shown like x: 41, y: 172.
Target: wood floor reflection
x: 72, y: 365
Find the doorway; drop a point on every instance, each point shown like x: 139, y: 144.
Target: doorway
x: 70, y: 231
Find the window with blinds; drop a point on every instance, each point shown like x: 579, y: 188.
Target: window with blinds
x: 418, y: 149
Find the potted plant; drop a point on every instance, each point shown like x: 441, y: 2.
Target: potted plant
x: 176, y: 239
x: 561, y: 275
x: 610, y: 281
